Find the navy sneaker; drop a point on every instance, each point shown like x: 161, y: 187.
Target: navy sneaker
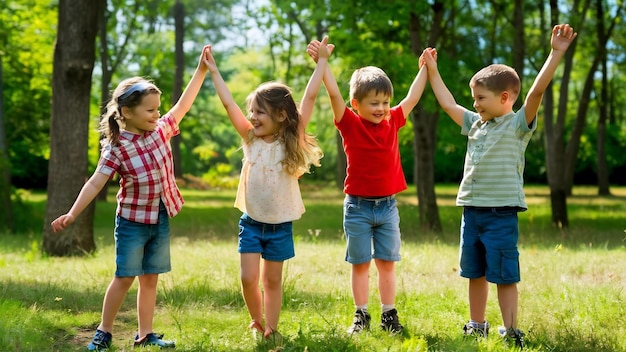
x: 476, y: 329
x: 101, y: 341
x: 512, y: 334
x: 360, y: 322
x: 390, y: 322
x: 153, y: 339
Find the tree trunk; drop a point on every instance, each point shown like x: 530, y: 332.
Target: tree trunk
x: 179, y: 25
x: 6, y: 208
x: 425, y: 131
x: 107, y: 73
x: 603, y: 172
x: 74, y: 56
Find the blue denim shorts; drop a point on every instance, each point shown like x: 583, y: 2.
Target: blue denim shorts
x: 142, y: 248
x: 489, y: 244
x: 273, y: 241
x: 371, y: 224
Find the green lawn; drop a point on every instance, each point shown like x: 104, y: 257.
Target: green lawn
x: 571, y: 295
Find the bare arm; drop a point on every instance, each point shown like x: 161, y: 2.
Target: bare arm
x: 415, y: 92
x: 313, y: 87
x: 87, y: 194
x: 443, y: 95
x: 332, y: 88
x: 562, y: 37
x: 236, y: 116
x: 190, y: 93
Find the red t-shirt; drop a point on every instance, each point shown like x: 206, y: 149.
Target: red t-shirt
x: 374, y: 168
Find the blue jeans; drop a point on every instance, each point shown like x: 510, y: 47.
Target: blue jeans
x: 489, y: 244
x: 142, y: 248
x: 273, y: 241
x: 371, y: 222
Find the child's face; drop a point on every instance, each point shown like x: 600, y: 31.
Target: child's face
x: 265, y: 126
x: 143, y: 117
x: 489, y: 104
x: 373, y: 107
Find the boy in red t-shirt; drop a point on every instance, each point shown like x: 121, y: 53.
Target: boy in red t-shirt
x: 373, y: 176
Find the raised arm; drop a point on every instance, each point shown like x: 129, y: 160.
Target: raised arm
x: 313, y: 87
x: 443, y: 95
x: 562, y: 37
x: 334, y: 94
x: 236, y: 116
x: 182, y: 106
x: 415, y: 92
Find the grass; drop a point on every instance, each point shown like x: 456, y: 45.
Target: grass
x: 571, y: 296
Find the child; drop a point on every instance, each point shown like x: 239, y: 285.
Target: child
x: 277, y: 151
x: 491, y: 191
x: 374, y: 176
x: 137, y: 148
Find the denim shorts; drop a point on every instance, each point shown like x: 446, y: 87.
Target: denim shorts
x: 142, y: 248
x: 489, y: 244
x: 273, y: 241
x: 371, y: 223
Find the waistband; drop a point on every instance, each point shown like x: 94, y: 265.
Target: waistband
x: 371, y: 199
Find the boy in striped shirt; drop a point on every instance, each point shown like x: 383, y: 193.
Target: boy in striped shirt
x: 491, y: 191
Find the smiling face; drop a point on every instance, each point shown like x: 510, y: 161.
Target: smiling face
x: 374, y: 107
x: 143, y: 117
x: 489, y: 104
x: 265, y: 125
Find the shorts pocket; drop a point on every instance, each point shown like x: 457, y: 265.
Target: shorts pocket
x: 509, y: 266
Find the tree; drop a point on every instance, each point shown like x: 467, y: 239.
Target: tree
x: 6, y: 209
x: 74, y: 57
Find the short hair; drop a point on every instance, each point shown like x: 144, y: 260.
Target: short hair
x: 497, y: 78
x: 367, y: 79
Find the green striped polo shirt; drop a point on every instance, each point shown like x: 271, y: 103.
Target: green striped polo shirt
x: 493, y: 175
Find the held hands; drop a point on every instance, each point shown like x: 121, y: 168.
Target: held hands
x: 63, y: 221
x: 428, y: 58
x: 208, y: 58
x: 562, y: 36
x: 203, y: 62
x: 317, y: 49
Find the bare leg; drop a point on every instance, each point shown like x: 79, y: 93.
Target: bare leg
x: 249, y: 271
x: 386, y: 281
x: 360, y: 283
x: 273, y: 294
x: 146, y: 301
x: 113, y: 299
x: 478, y: 293
x: 508, y: 298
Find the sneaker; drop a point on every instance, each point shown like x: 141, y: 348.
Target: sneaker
x: 512, y: 334
x: 476, y: 329
x: 390, y: 322
x: 101, y: 341
x: 153, y: 339
x: 361, y: 321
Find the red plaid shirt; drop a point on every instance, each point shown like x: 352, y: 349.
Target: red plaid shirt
x: 146, y: 167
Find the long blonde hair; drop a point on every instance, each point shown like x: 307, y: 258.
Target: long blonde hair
x: 301, y: 151
x: 128, y: 93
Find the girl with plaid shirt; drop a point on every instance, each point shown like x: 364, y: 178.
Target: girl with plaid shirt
x: 137, y: 148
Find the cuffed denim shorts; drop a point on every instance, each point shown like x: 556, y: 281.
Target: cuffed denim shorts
x: 371, y: 224
x: 273, y: 241
x: 142, y: 248
x: 489, y: 244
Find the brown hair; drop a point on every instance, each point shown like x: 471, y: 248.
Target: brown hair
x: 498, y: 78
x: 367, y: 79
x: 301, y: 150
x: 128, y: 93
